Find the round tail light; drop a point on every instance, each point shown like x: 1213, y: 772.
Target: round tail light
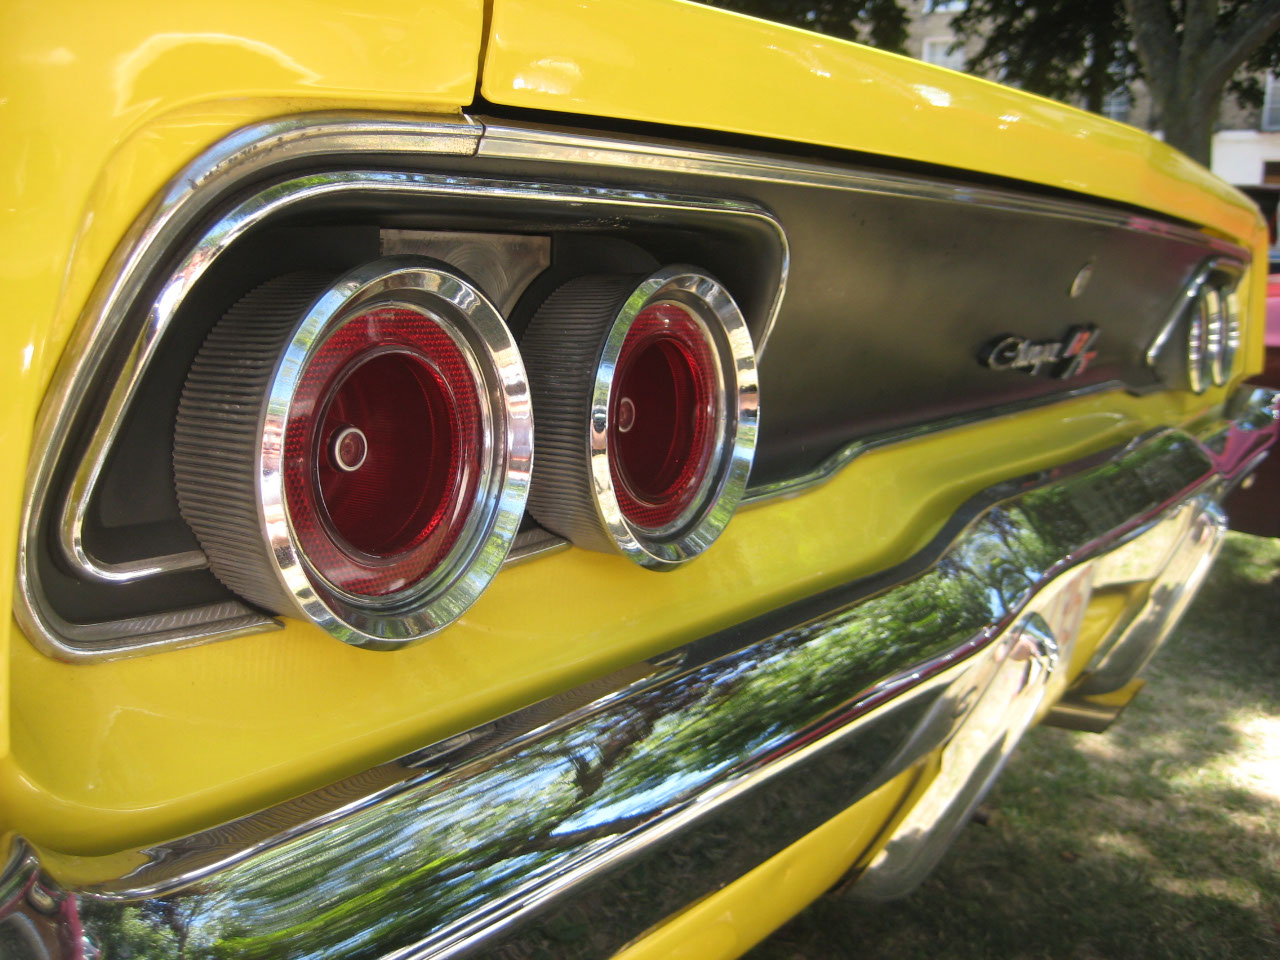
x: 357, y: 450
x: 647, y: 405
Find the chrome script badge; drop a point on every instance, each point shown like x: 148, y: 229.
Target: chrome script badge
x: 1055, y: 358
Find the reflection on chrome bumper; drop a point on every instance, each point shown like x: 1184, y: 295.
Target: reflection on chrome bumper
x: 465, y: 841
x: 1176, y: 553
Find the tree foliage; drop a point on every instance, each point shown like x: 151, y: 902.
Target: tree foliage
x: 1189, y: 52
x: 1065, y: 49
x: 879, y: 23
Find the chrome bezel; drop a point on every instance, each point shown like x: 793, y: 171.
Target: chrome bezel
x: 467, y: 316
x: 1209, y: 307
x: 271, y: 201
x: 335, y: 450
x: 736, y: 415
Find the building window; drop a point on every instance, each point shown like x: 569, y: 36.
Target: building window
x: 943, y: 6
x: 1117, y: 104
x: 1271, y: 105
x: 938, y: 50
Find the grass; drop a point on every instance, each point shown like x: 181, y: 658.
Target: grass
x: 1159, y: 838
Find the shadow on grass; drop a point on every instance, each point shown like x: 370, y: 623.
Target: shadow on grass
x: 1160, y: 838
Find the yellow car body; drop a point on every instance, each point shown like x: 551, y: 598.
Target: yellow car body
x: 105, y: 104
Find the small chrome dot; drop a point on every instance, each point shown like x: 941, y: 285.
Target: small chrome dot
x: 626, y: 414
x: 1082, y: 279
x: 348, y: 449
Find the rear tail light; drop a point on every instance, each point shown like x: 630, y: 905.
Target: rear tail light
x: 647, y: 405
x: 358, y: 450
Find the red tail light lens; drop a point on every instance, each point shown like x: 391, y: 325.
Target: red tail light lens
x: 647, y: 408
x: 357, y: 451
x: 382, y: 451
x: 662, y: 414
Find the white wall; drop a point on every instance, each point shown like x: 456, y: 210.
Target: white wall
x: 1238, y: 155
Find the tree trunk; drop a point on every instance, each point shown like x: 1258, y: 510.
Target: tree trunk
x: 1188, y: 125
x: 1187, y: 69
x: 1097, y: 79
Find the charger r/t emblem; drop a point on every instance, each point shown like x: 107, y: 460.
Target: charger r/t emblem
x: 1055, y: 358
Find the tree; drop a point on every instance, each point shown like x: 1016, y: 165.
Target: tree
x: 1188, y: 51
x: 1065, y: 49
x: 879, y: 23
x: 1189, y: 60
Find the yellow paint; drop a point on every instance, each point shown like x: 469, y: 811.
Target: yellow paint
x: 1105, y: 610
x: 100, y: 757
x: 679, y: 63
x: 139, y: 750
x: 732, y: 920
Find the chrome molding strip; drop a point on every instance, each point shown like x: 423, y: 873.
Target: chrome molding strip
x: 251, y: 154
x: 39, y: 624
x: 528, y: 143
x: 149, y: 633
x: 437, y: 853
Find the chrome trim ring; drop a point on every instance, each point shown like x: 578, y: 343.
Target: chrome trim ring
x: 1229, y: 307
x: 1198, y: 352
x: 1215, y: 333
x: 572, y: 348
x: 267, y: 562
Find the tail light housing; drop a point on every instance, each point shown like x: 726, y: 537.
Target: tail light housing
x: 1196, y: 348
x: 647, y: 403
x: 357, y: 450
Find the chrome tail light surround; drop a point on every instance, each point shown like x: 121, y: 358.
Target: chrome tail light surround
x: 1197, y: 346
x: 576, y: 349
x: 238, y: 438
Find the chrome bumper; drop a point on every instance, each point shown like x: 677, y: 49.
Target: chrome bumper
x: 493, y: 833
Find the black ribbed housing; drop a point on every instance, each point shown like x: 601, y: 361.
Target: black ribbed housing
x: 219, y: 433
x: 561, y: 352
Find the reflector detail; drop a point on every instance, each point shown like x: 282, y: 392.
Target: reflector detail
x: 663, y: 415
x: 402, y: 383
